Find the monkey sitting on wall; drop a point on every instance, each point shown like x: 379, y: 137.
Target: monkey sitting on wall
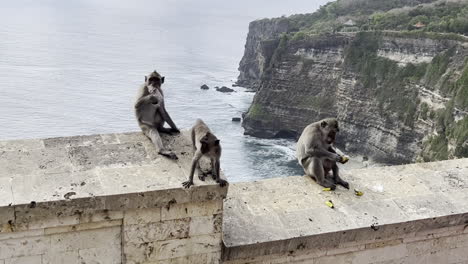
x: 316, y: 154
x: 151, y: 113
x: 205, y: 143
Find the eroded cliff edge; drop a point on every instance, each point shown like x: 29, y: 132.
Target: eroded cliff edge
x: 400, y: 96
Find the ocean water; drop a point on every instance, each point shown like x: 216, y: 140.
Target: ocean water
x: 73, y: 68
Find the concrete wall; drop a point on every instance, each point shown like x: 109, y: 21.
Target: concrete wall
x: 112, y: 199
x: 105, y: 199
x: 442, y: 245
x: 185, y: 232
x: 415, y: 213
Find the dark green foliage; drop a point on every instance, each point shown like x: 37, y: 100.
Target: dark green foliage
x: 449, y: 132
x: 383, y: 78
x: 373, y: 15
x: 460, y: 134
x: 438, y: 67
x: 299, y: 36
x: 436, y: 149
x: 461, y: 88
x: 256, y: 111
x: 424, y: 108
x: 444, y: 17
x: 278, y: 52
x: 444, y: 117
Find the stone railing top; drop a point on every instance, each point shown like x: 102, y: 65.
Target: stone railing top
x: 113, y: 170
x: 272, y: 215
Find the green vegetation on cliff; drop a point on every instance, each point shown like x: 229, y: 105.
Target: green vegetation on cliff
x: 438, y: 67
x: 460, y: 90
x: 388, y: 82
x: 437, y: 17
x: 450, y: 133
x: 393, y: 87
x: 398, y: 15
x: 257, y: 112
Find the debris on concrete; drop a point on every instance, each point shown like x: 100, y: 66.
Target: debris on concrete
x: 358, y: 193
x: 69, y: 194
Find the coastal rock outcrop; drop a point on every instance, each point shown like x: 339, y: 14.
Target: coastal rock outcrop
x: 400, y: 96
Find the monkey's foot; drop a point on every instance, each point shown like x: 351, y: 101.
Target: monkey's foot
x: 344, y: 184
x: 328, y: 184
x: 168, y: 154
x: 222, y: 182
x: 165, y: 130
x: 187, y: 184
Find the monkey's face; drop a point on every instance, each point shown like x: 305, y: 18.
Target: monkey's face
x: 154, y: 81
x: 209, y: 143
x: 329, y: 129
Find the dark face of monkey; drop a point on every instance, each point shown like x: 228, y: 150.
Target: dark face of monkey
x: 329, y: 128
x: 154, y: 81
x: 208, y: 143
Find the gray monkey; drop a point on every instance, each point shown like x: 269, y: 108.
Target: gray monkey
x: 151, y: 113
x: 316, y: 155
x: 205, y: 143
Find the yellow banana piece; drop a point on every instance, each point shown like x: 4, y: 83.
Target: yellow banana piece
x: 344, y: 159
x: 330, y: 204
x: 326, y: 189
x: 358, y: 193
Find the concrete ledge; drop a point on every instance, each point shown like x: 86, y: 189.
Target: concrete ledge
x: 97, y: 170
x: 105, y: 198
x: 277, y: 218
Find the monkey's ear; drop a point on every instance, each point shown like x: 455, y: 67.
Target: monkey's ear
x: 146, y: 78
x: 162, y: 79
x: 217, y: 142
x: 323, y: 124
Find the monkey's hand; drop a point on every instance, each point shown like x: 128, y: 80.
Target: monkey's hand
x: 187, y: 184
x: 343, y: 159
x: 338, y: 158
x: 175, y: 130
x: 222, y: 182
x: 153, y: 99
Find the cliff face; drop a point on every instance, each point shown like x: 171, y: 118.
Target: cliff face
x: 258, y: 50
x: 400, y: 97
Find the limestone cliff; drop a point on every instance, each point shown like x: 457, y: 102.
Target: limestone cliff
x: 400, y: 96
x: 258, y: 50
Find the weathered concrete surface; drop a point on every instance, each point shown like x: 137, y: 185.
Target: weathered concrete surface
x: 105, y: 199
x: 93, y: 168
x: 276, y: 218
